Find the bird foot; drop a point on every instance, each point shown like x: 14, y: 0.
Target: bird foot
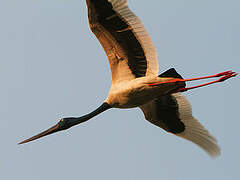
x: 226, y: 75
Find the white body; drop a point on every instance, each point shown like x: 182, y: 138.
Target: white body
x: 137, y: 92
x: 134, y: 64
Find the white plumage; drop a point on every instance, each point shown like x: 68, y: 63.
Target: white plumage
x: 194, y: 131
x: 141, y: 34
x: 123, y: 78
x: 115, y: 53
x: 135, y: 80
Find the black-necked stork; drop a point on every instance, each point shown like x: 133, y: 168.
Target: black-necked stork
x: 135, y: 80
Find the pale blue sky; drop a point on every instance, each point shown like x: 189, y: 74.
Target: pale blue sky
x: 52, y: 66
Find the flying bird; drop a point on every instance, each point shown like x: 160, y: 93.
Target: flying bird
x: 135, y: 79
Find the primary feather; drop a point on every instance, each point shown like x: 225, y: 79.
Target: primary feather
x: 173, y: 113
x: 134, y: 64
x: 129, y: 49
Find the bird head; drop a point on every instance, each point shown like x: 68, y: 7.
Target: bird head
x: 66, y: 123
x: 63, y: 124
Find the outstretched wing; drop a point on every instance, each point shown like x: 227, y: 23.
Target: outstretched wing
x: 173, y: 113
x: 128, y: 46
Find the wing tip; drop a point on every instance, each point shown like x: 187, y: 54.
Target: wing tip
x: 202, y: 138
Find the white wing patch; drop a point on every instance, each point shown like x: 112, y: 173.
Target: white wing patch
x: 194, y: 131
x: 121, y: 7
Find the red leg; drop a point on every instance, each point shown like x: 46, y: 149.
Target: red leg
x: 212, y: 76
x: 226, y: 75
x: 212, y: 82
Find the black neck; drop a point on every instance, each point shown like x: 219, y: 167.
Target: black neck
x: 105, y: 106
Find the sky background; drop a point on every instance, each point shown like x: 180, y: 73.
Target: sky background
x: 51, y: 66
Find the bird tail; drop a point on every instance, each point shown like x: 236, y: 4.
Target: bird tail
x: 171, y: 73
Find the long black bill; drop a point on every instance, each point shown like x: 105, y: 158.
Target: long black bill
x: 66, y: 123
x: 44, y: 133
